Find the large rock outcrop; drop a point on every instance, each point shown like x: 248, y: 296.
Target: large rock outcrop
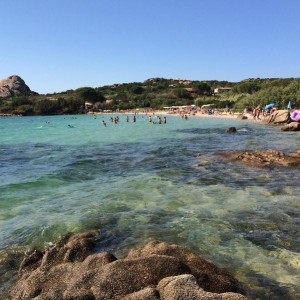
x: 278, y: 117
x: 13, y: 86
x: 71, y: 270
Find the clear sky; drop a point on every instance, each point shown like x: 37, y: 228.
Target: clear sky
x: 55, y: 45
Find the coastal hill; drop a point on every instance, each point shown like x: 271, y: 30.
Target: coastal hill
x: 13, y: 86
x: 155, y: 93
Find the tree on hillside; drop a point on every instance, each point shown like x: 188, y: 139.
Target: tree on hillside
x: 245, y: 88
x: 182, y: 93
x: 202, y: 88
x: 137, y: 90
x: 46, y: 107
x: 89, y: 94
x: 20, y: 100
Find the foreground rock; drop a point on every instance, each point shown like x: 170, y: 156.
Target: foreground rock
x: 186, y: 287
x: 70, y: 270
x: 263, y: 158
x: 13, y: 86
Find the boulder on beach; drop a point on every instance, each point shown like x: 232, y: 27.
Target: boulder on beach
x: 72, y: 270
x: 278, y: 117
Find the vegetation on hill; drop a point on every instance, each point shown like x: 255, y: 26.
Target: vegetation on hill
x: 157, y: 93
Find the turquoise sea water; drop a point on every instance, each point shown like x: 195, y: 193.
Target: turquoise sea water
x: 138, y: 181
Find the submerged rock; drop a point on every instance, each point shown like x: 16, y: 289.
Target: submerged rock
x: 266, y: 158
x: 71, y: 270
x: 231, y: 130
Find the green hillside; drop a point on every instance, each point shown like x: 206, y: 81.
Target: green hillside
x: 157, y: 93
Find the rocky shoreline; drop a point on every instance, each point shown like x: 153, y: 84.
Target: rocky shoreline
x: 72, y: 269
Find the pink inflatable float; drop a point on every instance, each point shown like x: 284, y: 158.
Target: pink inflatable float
x: 295, y: 116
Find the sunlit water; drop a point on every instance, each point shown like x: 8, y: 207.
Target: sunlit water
x: 138, y: 181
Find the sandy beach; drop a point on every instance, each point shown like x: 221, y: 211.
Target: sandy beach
x: 200, y: 114
x: 197, y: 114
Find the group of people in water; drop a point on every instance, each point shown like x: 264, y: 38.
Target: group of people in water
x: 159, y: 120
x: 151, y: 119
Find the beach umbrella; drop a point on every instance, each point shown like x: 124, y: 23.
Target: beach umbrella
x: 289, y: 106
x: 271, y: 105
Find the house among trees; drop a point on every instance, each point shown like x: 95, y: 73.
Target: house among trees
x: 88, y: 105
x: 190, y: 90
x: 222, y: 90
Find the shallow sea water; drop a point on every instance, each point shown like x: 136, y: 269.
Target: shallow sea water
x: 138, y: 182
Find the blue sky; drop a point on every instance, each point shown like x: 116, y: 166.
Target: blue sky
x: 65, y: 44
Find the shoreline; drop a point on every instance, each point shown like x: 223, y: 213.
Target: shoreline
x: 234, y: 116
x: 223, y: 115
x: 278, y: 117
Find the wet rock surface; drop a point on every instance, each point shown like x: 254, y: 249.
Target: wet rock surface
x: 71, y: 270
x: 266, y: 158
